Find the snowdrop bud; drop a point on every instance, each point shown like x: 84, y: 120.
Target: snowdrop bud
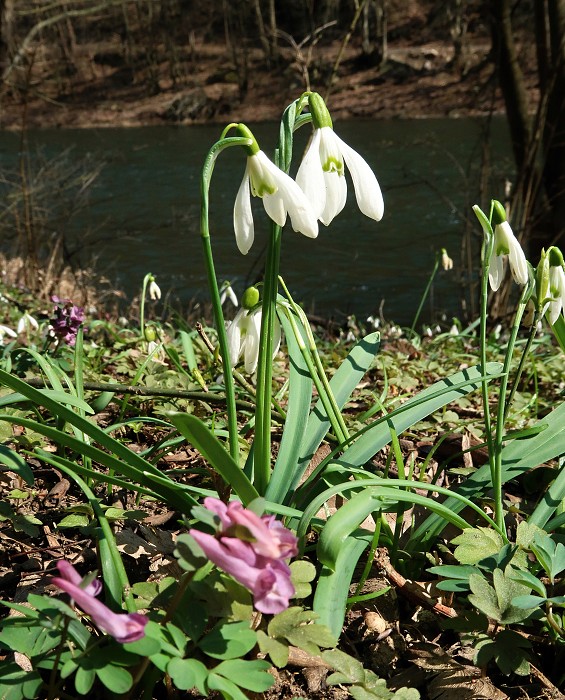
x: 150, y: 334
x: 320, y: 113
x: 498, y: 213
x: 250, y: 298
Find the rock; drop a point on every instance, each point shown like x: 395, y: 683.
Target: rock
x: 194, y: 105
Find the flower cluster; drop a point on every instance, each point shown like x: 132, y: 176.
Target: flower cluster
x: 66, y: 320
x: 320, y: 190
x: 253, y: 550
x: 124, y: 627
x: 243, y: 333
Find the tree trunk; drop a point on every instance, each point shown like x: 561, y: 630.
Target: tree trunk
x: 511, y: 79
x: 554, y: 127
x: 6, y: 32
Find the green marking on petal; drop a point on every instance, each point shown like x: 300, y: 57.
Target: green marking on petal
x: 333, y: 165
x: 263, y: 189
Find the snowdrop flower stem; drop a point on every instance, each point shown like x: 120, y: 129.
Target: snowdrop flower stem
x: 425, y: 294
x: 262, y: 445
x: 205, y: 181
x: 521, y: 274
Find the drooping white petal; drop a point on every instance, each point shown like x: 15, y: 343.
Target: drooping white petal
x: 367, y: 190
x: 496, y: 271
x: 233, y: 334
x: 310, y: 176
x: 275, y: 207
x: 4, y: 330
x: 336, y: 195
x: 294, y: 200
x: 243, y: 216
x: 251, y: 350
x: 518, y: 263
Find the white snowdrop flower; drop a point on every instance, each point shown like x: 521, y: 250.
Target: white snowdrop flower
x: 321, y: 174
x: 446, y: 261
x: 226, y: 292
x: 243, y: 335
x: 280, y: 194
x: 154, y: 290
x: 5, y: 331
x: 505, y: 246
x: 26, y: 324
x: 556, y: 284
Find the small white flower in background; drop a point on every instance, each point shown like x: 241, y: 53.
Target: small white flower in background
x: 505, y: 245
x: 154, y: 290
x: 321, y: 174
x: 26, y: 324
x: 5, y: 331
x: 226, y: 292
x: 497, y: 331
x: 556, y: 284
x: 244, y: 332
x: 428, y: 331
x: 375, y: 322
x: 446, y: 261
x: 280, y: 194
x: 454, y: 330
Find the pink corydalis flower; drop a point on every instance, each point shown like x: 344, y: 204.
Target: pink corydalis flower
x: 124, y: 627
x: 66, y: 320
x: 252, y: 549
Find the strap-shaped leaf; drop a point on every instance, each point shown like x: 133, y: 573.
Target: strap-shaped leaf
x: 415, y: 409
x: 376, y: 498
x: 345, y: 380
x: 201, y: 437
x: 330, y: 599
x: 299, y: 400
x: 517, y: 457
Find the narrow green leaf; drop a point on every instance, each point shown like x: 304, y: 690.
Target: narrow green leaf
x: 330, y: 598
x: 200, y: 436
x: 16, y: 463
x: 351, y: 515
x: 299, y: 399
x: 415, y: 409
x: 517, y: 457
x: 345, y: 380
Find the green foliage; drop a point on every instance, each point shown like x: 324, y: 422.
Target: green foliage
x: 508, y: 649
x: 495, y: 601
x: 475, y: 544
x: 362, y: 684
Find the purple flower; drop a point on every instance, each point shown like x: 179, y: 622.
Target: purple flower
x: 66, y: 320
x: 124, y: 627
x: 251, y: 549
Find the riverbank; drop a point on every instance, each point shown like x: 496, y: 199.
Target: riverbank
x: 417, y: 81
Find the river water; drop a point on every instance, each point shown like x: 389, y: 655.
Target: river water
x: 143, y: 212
